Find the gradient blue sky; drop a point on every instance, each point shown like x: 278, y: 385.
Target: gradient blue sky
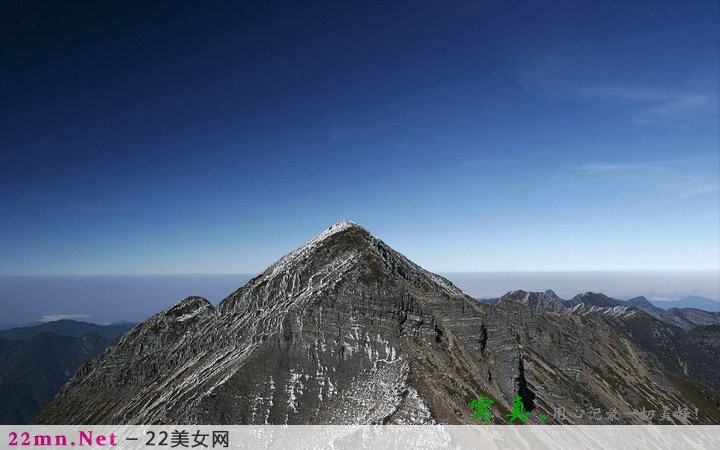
x: 168, y: 137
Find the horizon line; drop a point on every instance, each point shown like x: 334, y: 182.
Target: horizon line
x: 601, y: 270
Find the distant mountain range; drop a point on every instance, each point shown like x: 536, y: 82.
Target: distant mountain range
x: 66, y: 328
x: 685, y: 318
x: 36, y: 361
x: 706, y: 304
x: 684, y: 340
x: 702, y: 303
x: 8, y: 325
x: 346, y: 330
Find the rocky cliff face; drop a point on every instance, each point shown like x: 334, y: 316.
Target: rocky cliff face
x: 346, y: 330
x: 685, y: 341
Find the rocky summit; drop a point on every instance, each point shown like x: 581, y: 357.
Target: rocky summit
x: 345, y: 330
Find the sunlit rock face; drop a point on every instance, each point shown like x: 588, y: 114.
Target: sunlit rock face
x: 345, y: 330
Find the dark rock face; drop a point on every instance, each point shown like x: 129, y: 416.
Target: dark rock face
x: 593, y: 299
x: 346, y: 330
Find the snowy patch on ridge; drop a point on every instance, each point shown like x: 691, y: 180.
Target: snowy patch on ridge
x: 334, y: 229
x: 304, y: 251
x: 612, y: 311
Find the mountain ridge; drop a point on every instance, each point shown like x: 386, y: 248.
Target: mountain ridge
x: 345, y: 330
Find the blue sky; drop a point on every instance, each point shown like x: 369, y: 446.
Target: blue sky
x: 158, y: 137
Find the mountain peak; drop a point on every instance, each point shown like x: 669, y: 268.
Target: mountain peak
x: 639, y: 301
x: 345, y: 223
x: 343, y: 249
x: 339, y: 227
